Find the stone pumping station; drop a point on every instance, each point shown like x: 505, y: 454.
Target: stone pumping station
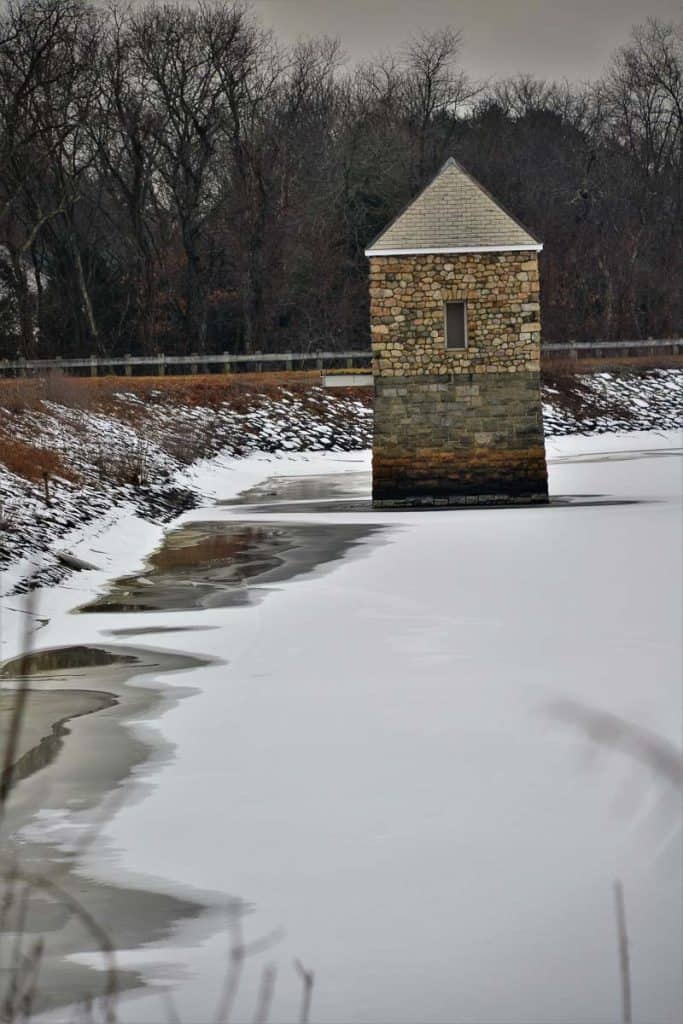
x: 455, y: 325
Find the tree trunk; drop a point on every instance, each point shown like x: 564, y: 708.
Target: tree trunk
x: 92, y: 333
x: 195, y: 293
x: 143, y: 302
x: 39, y: 291
x: 24, y: 306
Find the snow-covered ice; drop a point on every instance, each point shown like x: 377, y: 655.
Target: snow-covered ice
x: 427, y: 762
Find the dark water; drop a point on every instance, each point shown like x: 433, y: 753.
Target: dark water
x: 219, y: 564
x: 76, y: 680
x: 199, y: 565
x: 146, y: 630
x: 307, y: 488
x: 46, y: 714
x: 618, y: 456
x: 57, y: 659
x: 92, y: 769
x: 350, y: 492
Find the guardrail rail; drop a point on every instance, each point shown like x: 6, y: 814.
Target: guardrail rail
x: 228, y: 362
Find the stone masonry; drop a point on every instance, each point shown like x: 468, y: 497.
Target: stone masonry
x: 457, y: 426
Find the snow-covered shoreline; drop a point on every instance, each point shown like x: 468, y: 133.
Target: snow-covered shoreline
x: 118, y: 542
x: 146, y: 457
x: 136, y: 459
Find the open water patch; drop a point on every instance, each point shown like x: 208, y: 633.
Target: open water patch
x: 223, y: 564
x: 82, y: 745
x: 67, y: 683
x: 317, y: 487
x: 45, y: 725
x: 627, y: 455
x: 55, y: 659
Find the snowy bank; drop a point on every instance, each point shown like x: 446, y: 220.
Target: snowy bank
x: 74, y: 452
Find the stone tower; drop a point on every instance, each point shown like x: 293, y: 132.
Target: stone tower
x: 455, y: 321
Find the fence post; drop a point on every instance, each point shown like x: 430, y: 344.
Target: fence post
x: 193, y: 365
x: 226, y: 364
x: 128, y: 367
x: 319, y: 362
x: 289, y: 362
x: 161, y: 366
x: 93, y: 366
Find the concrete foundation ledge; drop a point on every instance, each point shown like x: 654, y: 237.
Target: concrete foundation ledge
x: 461, y: 501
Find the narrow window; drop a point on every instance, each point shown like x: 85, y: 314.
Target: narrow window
x: 456, y: 325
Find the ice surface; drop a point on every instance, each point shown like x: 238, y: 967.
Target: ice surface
x: 427, y: 764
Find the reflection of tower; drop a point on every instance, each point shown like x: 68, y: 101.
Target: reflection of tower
x: 455, y: 322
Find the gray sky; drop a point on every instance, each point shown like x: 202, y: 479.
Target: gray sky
x: 550, y: 38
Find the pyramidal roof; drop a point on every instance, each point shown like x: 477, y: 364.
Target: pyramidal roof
x: 454, y: 213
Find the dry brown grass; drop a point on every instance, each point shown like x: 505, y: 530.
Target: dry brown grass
x: 239, y: 391
x: 209, y: 390
x: 32, y: 462
x: 564, y: 366
x: 213, y: 389
x: 17, y: 396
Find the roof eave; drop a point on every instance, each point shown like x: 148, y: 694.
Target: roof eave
x: 429, y: 251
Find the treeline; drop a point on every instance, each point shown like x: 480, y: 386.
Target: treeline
x: 174, y: 179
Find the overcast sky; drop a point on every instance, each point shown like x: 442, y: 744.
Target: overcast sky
x: 550, y: 38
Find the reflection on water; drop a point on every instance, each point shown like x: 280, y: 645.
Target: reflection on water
x: 157, y: 630
x: 199, y: 565
x: 68, y: 683
x: 47, y: 712
x: 217, y: 564
x: 55, y: 659
x: 350, y: 492
x: 617, y: 456
x: 306, y: 488
x: 46, y: 717
x: 130, y: 918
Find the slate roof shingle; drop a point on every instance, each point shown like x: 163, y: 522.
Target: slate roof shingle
x: 453, y: 213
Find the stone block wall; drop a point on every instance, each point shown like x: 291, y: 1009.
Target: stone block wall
x: 407, y: 296
x: 470, y: 439
x: 457, y: 426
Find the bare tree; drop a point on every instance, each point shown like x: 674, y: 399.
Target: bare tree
x: 185, y: 55
x: 126, y: 134
x: 172, y: 176
x: 434, y: 89
x: 642, y: 96
x: 46, y: 83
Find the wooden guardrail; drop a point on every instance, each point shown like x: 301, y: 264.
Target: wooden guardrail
x: 598, y: 349
x: 228, y: 362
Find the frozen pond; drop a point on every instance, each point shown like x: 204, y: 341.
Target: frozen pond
x: 412, y: 750
x: 218, y: 564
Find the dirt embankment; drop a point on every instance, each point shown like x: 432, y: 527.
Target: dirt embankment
x: 72, y: 448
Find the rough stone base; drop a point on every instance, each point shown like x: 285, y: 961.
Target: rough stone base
x: 463, y: 501
x: 460, y: 439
